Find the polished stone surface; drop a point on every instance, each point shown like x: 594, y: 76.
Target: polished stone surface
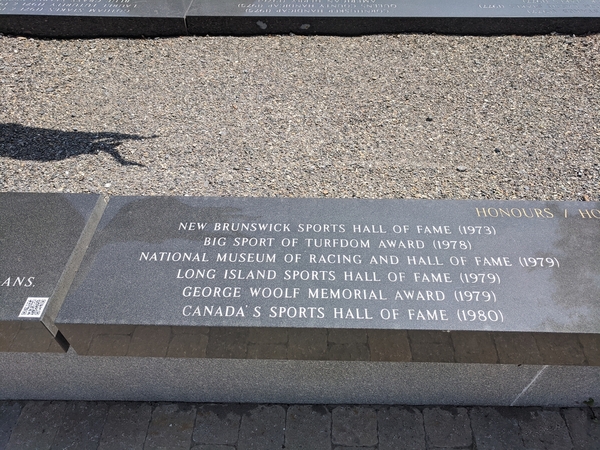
x: 38, y: 236
x: 392, y: 16
x: 476, y: 347
x: 93, y: 17
x: 90, y: 18
x: 395, y: 8
x: 514, y: 282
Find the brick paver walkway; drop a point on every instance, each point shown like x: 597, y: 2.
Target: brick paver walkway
x: 116, y: 425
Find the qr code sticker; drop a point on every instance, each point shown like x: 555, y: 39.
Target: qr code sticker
x: 33, y: 307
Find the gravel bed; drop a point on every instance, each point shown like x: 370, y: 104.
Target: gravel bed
x: 383, y: 116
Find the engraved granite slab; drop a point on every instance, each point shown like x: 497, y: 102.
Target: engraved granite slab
x: 352, y: 17
x: 512, y: 281
x: 89, y: 18
x: 39, y: 234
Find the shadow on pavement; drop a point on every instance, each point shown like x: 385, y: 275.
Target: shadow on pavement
x: 42, y: 144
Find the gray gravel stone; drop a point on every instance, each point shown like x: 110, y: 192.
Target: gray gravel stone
x: 126, y: 426
x: 82, y: 426
x: 400, y: 428
x: 9, y: 414
x: 304, y: 116
x: 447, y: 427
x: 171, y: 427
x: 354, y: 426
x: 584, y: 431
x: 262, y: 428
x: 217, y: 424
x: 308, y: 427
x: 543, y: 429
x: 495, y: 429
x: 37, y: 426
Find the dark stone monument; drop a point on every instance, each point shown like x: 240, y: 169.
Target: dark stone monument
x: 353, y: 17
x: 506, y: 282
x: 42, y: 240
x: 90, y: 18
